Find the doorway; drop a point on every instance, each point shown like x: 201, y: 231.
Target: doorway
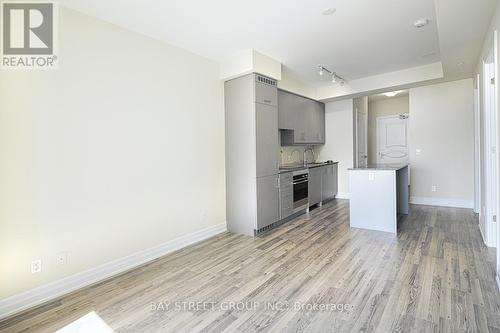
x: 388, y: 127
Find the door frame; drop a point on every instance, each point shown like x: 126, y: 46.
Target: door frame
x: 407, y: 130
x: 356, y: 132
x: 489, y: 239
x: 491, y: 139
x: 357, y: 138
x: 497, y: 140
x: 477, y: 149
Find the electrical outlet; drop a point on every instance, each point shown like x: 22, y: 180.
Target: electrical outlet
x: 36, y: 266
x: 434, y: 188
x: 61, y: 258
x: 418, y: 151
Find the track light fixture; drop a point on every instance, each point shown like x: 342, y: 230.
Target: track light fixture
x: 335, y: 78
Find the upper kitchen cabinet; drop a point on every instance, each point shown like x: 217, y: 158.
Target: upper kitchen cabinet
x: 301, y: 120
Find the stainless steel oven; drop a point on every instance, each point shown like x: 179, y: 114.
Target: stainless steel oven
x: 300, y: 190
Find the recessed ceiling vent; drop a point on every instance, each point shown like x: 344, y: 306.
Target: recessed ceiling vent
x: 420, y: 23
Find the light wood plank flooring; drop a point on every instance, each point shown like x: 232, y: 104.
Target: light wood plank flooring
x: 436, y: 276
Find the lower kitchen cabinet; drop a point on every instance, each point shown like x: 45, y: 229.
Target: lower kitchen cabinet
x: 267, y: 201
x: 329, y: 181
x: 285, y: 195
x: 322, y: 186
x: 315, y: 185
x: 323, y: 183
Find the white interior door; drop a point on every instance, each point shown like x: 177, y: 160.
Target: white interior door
x: 392, y: 139
x: 361, y: 138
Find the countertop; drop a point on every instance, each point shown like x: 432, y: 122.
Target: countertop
x: 297, y: 167
x: 390, y: 167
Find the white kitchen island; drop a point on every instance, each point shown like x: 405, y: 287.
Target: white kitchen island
x: 378, y: 195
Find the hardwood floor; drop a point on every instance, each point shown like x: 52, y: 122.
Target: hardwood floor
x: 437, y: 276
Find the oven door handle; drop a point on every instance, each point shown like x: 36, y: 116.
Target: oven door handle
x: 301, y: 182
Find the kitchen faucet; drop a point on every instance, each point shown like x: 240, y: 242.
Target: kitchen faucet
x: 305, y: 153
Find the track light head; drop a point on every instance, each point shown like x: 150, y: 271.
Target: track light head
x: 334, y: 77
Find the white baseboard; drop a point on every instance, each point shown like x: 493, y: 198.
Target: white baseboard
x: 342, y: 195
x: 42, y: 294
x: 444, y: 202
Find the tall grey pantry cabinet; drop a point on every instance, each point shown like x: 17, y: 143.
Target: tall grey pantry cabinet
x: 251, y: 119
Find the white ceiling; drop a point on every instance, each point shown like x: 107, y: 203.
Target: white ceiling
x: 462, y: 28
x: 363, y: 38
x: 379, y: 97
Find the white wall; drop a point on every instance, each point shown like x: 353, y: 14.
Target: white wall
x: 249, y: 61
x: 441, y: 126
x: 339, y: 140
x: 119, y: 150
x: 291, y: 82
x: 380, y: 108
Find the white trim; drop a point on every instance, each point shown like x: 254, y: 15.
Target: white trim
x: 342, y: 195
x: 496, y: 227
x: 490, y: 138
x: 477, y: 145
x: 498, y: 281
x: 444, y: 202
x: 483, y: 236
x: 42, y: 294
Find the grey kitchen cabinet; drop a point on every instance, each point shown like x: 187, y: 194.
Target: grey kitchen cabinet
x: 266, y: 91
x: 285, y: 195
x: 301, y: 120
x: 315, y: 185
x: 266, y: 127
x: 288, y: 110
x: 267, y: 201
x: 318, y: 123
x: 329, y: 181
x: 252, y: 152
